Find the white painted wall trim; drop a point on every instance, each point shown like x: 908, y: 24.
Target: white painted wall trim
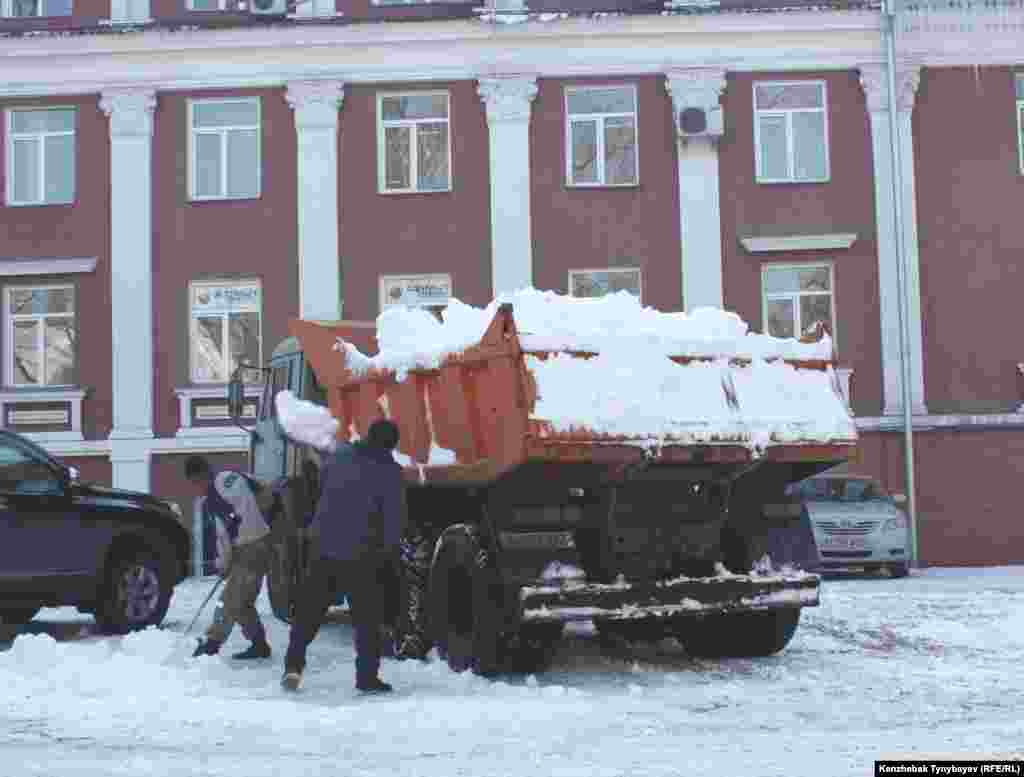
x: 73, y: 397
x: 188, y: 394
x: 823, y: 242
x: 59, y: 446
x: 925, y: 423
x: 216, y: 440
x: 316, y: 105
x: 54, y: 266
x: 507, y: 100
x: 700, y: 219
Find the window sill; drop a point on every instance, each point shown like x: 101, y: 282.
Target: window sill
x: 591, y: 186
x: 400, y: 192
x: 791, y: 182
x: 72, y: 396
x: 187, y: 401
x: 63, y: 204
x: 205, y: 200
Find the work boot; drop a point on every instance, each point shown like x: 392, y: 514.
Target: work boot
x: 207, y: 647
x: 292, y: 679
x: 258, y: 649
x: 376, y: 685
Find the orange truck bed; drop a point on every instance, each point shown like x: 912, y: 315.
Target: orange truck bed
x: 480, y: 405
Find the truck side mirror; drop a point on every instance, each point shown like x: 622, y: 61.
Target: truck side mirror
x: 236, y: 396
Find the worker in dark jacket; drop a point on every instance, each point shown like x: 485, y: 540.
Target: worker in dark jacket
x: 360, y: 516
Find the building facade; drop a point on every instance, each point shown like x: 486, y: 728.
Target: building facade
x: 182, y: 177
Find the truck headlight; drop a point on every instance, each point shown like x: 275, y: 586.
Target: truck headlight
x: 895, y: 524
x: 174, y: 507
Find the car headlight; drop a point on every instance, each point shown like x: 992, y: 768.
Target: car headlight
x: 895, y: 524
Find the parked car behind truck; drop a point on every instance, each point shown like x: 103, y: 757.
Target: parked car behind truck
x: 116, y: 554
x: 521, y: 527
x: 856, y: 523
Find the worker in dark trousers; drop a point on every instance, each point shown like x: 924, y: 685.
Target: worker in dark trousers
x: 360, y: 516
x: 239, y: 509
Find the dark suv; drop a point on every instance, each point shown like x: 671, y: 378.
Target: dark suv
x: 116, y: 554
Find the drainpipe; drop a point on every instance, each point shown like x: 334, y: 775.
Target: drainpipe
x: 889, y: 37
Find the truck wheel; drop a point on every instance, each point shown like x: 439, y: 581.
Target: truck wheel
x: 739, y: 635
x: 18, y: 615
x: 461, y: 617
x: 137, y: 589
x: 412, y: 637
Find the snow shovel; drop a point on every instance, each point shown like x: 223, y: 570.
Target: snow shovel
x: 199, y: 612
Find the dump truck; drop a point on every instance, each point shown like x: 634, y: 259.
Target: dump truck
x: 666, y: 525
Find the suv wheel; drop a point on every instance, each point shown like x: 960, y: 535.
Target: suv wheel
x: 136, y: 592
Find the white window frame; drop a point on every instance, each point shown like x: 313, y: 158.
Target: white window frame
x: 190, y: 5
x: 382, y: 150
x: 607, y: 271
x: 1019, y: 90
x: 790, y: 148
x: 223, y: 132
x: 225, y: 328
x: 7, y: 10
x: 41, y: 171
x: 796, y: 295
x: 600, y: 118
x: 9, y: 341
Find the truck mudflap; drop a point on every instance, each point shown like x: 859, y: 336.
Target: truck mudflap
x: 675, y: 598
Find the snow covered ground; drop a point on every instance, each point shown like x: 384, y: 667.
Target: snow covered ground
x: 929, y: 665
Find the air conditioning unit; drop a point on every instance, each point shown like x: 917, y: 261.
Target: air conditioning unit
x: 268, y: 7
x: 701, y: 123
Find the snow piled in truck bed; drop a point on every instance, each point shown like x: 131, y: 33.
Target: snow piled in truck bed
x: 643, y: 394
x: 411, y: 338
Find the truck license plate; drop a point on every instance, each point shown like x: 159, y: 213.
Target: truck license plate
x: 847, y: 543
x: 537, y: 540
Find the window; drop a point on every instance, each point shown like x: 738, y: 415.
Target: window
x: 41, y: 156
x: 420, y: 291
x: 42, y: 336
x: 225, y: 323
x: 206, y: 5
x: 413, y: 142
x: 224, y: 149
x: 796, y: 297
x: 22, y: 474
x: 600, y: 135
x: 597, y: 283
x: 1020, y: 119
x: 20, y: 9
x: 791, y: 132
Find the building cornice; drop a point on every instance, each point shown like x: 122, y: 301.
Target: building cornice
x: 240, y: 58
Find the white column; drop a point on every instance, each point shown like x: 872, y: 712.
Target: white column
x: 131, y: 273
x: 700, y: 221
x: 874, y: 81
x: 508, y: 100
x: 316, y: 105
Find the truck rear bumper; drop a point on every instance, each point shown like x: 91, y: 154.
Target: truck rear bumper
x: 680, y: 597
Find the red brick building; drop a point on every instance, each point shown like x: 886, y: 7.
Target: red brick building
x: 180, y: 177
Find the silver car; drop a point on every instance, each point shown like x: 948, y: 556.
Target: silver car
x: 856, y: 523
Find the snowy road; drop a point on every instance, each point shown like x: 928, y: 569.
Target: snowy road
x: 933, y: 664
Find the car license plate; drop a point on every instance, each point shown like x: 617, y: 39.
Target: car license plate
x: 846, y: 543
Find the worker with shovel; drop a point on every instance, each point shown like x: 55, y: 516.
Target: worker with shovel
x: 240, y: 509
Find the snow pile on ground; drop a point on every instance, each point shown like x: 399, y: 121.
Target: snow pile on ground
x: 305, y: 422
x: 412, y: 338
x: 925, y: 665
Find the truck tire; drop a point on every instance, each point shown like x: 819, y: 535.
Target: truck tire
x: 462, y: 618
x: 136, y: 591
x: 412, y: 632
x: 739, y: 635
